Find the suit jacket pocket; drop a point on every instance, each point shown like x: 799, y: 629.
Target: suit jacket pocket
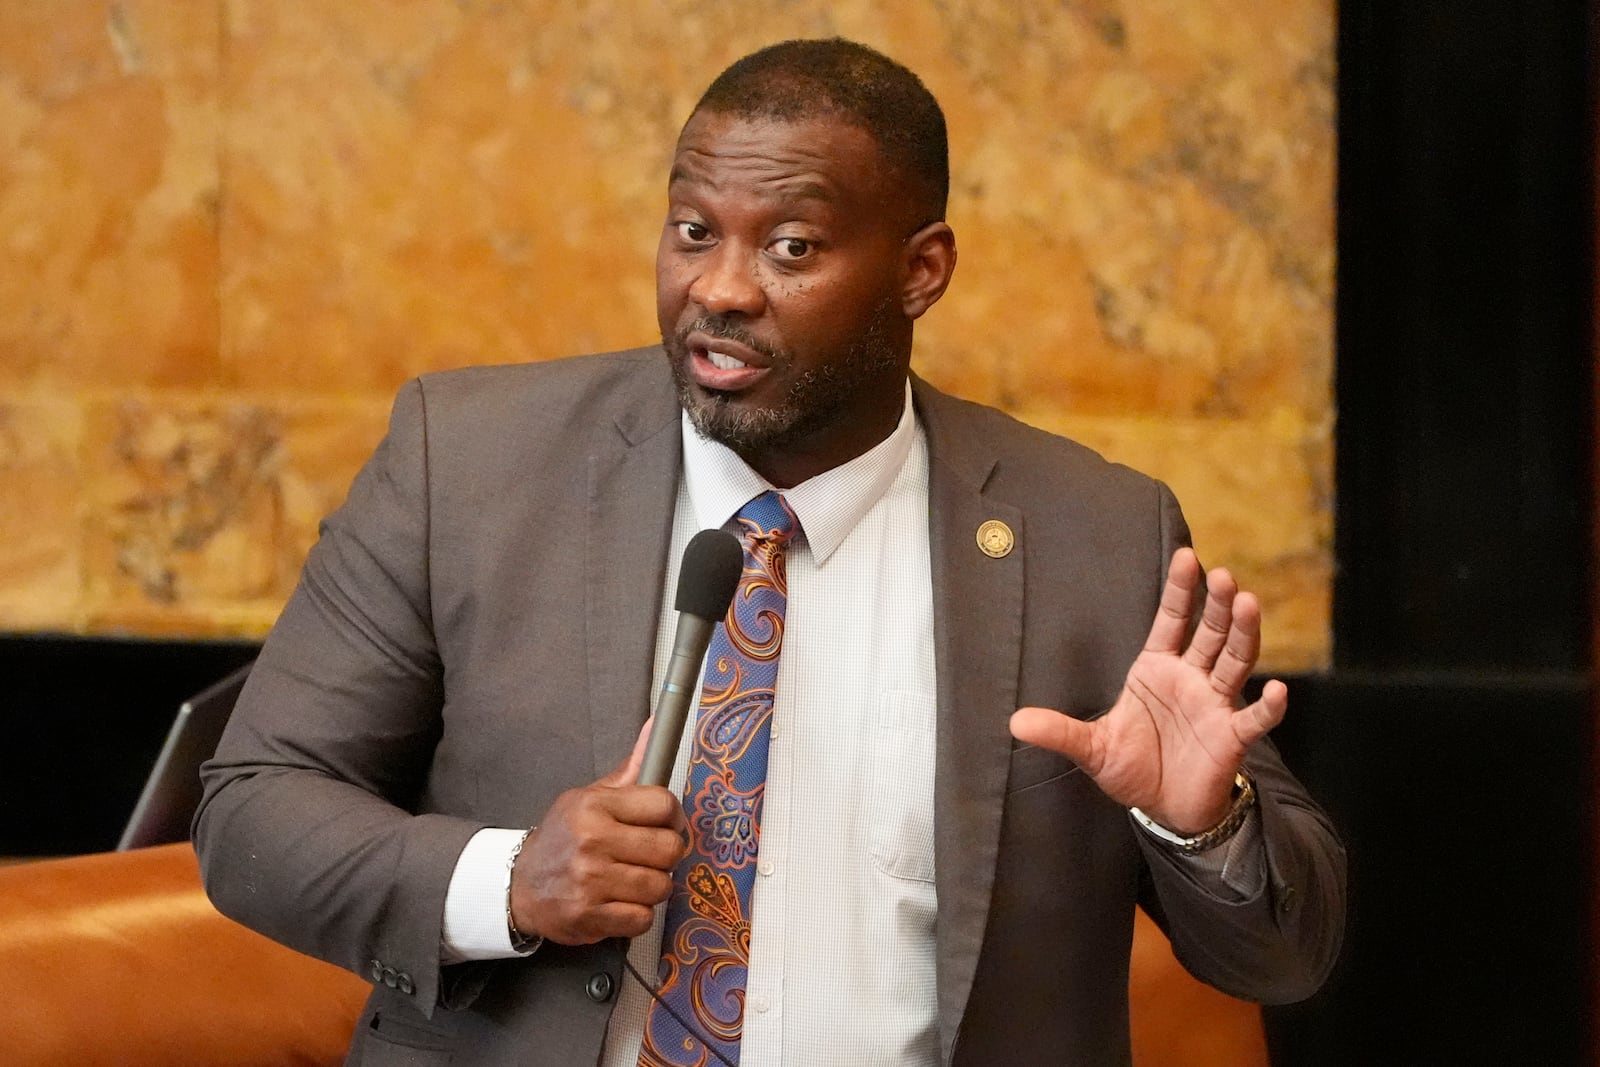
x: 902, y: 785
x: 393, y: 1040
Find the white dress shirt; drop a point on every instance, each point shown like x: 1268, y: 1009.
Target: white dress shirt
x: 842, y: 955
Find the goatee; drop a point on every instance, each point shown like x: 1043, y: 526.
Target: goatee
x: 816, y: 397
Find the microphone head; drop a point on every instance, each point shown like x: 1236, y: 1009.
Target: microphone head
x: 710, y: 573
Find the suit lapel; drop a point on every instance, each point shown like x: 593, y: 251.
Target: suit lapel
x: 633, y: 485
x: 977, y: 605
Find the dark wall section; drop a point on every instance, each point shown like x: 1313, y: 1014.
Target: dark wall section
x: 1463, y: 336
x: 1452, y: 740
x: 1464, y: 801
x: 84, y: 720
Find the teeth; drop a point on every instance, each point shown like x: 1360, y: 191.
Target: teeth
x: 722, y: 362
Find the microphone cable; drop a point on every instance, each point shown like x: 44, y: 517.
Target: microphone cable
x: 688, y: 1027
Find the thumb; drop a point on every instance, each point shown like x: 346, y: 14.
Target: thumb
x: 1055, y: 731
x: 627, y: 772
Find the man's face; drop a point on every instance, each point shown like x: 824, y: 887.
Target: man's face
x: 778, y: 289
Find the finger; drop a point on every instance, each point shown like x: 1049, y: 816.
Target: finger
x: 627, y: 772
x: 640, y: 846
x: 616, y: 919
x: 643, y: 805
x: 1212, y: 633
x: 1238, y: 656
x: 639, y: 885
x: 1171, y: 624
x: 1057, y: 732
x: 1252, y: 723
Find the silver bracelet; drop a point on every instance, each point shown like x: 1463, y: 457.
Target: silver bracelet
x: 521, y: 944
x: 1244, y: 798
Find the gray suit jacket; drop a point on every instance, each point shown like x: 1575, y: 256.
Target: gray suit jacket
x: 473, y: 635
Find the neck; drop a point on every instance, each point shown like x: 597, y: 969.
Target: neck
x: 787, y: 467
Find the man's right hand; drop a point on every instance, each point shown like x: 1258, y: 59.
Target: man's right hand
x: 601, y: 859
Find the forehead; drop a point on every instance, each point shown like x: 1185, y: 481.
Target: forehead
x: 815, y: 158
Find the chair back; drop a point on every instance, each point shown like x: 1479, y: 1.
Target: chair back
x: 171, y: 794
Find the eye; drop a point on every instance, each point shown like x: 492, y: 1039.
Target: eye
x: 693, y: 232
x: 792, y: 248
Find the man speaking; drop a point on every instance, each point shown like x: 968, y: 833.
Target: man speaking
x: 867, y: 853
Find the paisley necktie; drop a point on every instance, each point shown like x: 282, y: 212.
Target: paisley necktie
x: 705, y: 944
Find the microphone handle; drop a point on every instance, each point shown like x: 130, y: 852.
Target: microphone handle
x: 677, y: 690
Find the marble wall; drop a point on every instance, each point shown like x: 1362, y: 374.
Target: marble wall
x: 230, y: 229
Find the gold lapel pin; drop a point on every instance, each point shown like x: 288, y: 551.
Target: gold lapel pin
x: 996, y: 539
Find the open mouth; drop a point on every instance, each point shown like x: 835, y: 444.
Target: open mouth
x: 724, y: 365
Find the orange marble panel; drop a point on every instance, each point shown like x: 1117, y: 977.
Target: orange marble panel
x: 108, y: 193
x: 202, y: 510
x: 40, y: 513
x: 447, y: 205
x: 1146, y: 189
x: 297, y: 206
x: 476, y: 187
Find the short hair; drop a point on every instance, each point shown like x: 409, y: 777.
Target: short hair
x: 834, y: 78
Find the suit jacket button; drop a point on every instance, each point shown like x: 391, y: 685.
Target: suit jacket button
x: 390, y: 978
x: 599, y: 987
x: 405, y: 985
x: 376, y: 971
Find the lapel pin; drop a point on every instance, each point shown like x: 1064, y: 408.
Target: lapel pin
x: 996, y: 539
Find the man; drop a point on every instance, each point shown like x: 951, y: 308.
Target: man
x: 902, y: 881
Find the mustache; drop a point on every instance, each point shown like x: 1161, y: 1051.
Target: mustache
x: 724, y: 328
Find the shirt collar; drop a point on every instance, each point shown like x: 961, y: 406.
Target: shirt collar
x: 828, y: 506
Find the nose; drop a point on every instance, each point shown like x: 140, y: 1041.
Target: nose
x: 728, y: 282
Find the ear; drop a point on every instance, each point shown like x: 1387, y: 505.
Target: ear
x: 928, y: 261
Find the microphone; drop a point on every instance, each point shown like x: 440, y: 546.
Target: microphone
x: 712, y: 564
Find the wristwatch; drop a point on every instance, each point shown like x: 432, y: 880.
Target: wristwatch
x: 521, y: 943
x: 1244, y: 798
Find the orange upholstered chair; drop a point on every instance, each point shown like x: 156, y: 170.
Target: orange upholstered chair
x: 119, y: 960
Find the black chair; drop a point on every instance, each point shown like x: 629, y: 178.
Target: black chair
x: 172, y: 792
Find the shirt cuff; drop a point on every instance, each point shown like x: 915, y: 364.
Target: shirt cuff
x: 1236, y: 870
x: 475, y: 902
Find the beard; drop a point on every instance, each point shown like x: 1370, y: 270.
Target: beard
x: 815, y: 399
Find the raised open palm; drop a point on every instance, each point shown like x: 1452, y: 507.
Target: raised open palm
x: 1175, y: 736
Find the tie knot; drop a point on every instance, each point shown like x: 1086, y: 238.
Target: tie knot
x: 768, y: 518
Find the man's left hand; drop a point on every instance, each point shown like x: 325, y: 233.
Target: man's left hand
x: 1175, y: 736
